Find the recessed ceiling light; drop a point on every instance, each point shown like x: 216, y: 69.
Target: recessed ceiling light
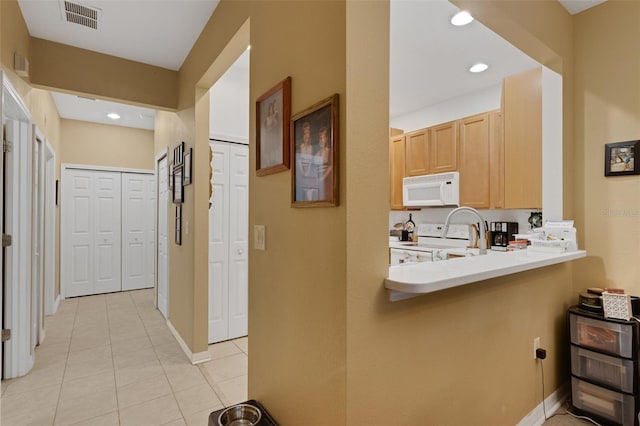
x: 479, y: 67
x: 461, y: 18
x: 113, y: 116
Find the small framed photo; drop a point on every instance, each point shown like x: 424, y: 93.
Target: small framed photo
x: 178, y: 154
x: 178, y: 193
x: 619, y: 158
x: 187, y: 167
x: 273, y: 112
x: 178, y: 236
x: 315, y: 155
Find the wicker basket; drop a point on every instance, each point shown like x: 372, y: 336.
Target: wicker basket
x: 616, y: 305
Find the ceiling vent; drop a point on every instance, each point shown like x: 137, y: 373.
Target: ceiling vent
x: 80, y: 14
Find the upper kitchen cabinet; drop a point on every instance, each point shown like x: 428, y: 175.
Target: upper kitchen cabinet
x: 417, y: 153
x: 522, y: 118
x: 475, y: 161
x: 444, y: 148
x: 396, y: 168
x: 496, y: 156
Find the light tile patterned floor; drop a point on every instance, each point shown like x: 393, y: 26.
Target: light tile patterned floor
x: 111, y: 360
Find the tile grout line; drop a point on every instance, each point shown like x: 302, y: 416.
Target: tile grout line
x: 113, y: 361
x: 173, y: 394
x: 64, y: 372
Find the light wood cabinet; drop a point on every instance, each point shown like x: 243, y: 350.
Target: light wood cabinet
x: 396, y: 169
x: 522, y: 117
x: 417, y: 153
x: 444, y: 148
x: 496, y: 159
x: 475, y: 161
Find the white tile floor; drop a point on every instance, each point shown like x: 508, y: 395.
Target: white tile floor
x: 111, y: 360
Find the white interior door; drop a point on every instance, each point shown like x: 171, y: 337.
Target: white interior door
x: 150, y: 230
x: 238, y: 240
x: 91, y: 249
x: 163, y: 230
x: 137, y: 231
x: 219, y: 245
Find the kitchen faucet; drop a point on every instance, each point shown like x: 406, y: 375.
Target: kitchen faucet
x: 483, y: 227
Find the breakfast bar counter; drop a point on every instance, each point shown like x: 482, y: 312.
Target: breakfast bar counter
x: 410, y: 280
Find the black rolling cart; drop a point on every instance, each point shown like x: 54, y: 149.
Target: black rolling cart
x: 605, y: 379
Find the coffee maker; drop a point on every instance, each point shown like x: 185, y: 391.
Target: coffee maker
x: 502, y: 233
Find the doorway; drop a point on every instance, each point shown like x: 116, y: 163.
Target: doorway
x: 229, y: 203
x: 162, y: 252
x: 18, y: 357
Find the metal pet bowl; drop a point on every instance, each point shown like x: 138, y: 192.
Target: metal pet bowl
x: 240, y: 415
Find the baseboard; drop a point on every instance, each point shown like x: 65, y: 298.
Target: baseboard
x: 551, y: 403
x: 56, y: 305
x: 195, y: 358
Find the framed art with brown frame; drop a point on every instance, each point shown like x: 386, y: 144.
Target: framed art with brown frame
x: 619, y: 158
x: 314, y: 150
x: 273, y: 112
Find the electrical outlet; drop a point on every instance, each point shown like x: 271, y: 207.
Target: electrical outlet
x: 536, y: 345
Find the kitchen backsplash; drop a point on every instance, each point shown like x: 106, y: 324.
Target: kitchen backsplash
x: 439, y: 214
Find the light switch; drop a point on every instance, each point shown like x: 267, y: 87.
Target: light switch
x: 259, y: 239
x: 186, y: 228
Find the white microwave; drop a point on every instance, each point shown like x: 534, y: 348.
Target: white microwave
x: 442, y: 189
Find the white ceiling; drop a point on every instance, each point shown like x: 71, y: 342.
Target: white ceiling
x: 577, y: 6
x: 95, y: 110
x: 429, y: 57
x: 155, y: 32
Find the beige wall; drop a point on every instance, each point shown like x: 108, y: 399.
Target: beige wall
x: 67, y: 68
x: 607, y: 101
x: 14, y: 37
x: 459, y: 356
x: 104, y: 145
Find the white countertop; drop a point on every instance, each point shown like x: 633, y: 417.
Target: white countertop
x: 410, y: 280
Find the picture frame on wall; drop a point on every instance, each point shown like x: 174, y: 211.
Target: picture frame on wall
x: 178, y: 192
x: 619, y: 158
x: 178, y: 153
x: 273, y: 113
x: 178, y: 236
x: 170, y: 175
x: 314, y: 148
x: 187, y: 167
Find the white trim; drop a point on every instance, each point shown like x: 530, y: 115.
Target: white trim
x: 159, y: 158
x: 66, y: 166
x: 56, y: 304
x: 18, y: 356
x: 551, y: 403
x: 50, y: 307
x: 195, y: 358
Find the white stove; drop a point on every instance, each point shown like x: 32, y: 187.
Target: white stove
x: 429, y: 243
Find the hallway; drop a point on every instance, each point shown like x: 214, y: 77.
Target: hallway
x: 111, y: 360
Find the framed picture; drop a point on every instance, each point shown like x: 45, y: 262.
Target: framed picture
x: 187, y: 167
x: 179, y: 224
x: 315, y: 155
x: 178, y: 154
x: 178, y: 193
x: 619, y: 158
x: 273, y: 112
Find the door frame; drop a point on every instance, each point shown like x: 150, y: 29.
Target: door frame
x: 37, y: 234
x: 18, y: 357
x: 50, y: 265
x: 64, y: 168
x: 160, y: 157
